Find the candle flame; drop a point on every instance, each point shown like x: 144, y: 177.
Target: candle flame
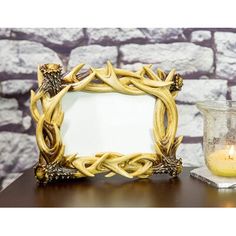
x: 231, y: 151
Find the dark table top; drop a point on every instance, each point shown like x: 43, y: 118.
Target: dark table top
x: 158, y: 191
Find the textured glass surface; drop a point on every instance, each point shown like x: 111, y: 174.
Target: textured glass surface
x: 219, y: 129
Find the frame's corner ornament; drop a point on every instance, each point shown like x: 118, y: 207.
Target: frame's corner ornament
x: 53, y: 85
x: 52, y: 78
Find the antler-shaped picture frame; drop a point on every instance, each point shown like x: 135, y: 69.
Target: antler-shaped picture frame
x: 47, y: 112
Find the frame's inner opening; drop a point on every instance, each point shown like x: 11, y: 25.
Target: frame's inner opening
x: 107, y: 122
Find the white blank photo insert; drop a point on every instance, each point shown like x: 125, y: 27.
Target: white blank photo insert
x: 107, y: 122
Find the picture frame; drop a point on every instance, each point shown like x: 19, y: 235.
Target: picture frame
x: 46, y: 110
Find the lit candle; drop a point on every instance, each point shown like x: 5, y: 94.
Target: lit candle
x: 223, y: 162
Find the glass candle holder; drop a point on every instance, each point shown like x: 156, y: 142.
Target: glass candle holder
x: 219, y: 139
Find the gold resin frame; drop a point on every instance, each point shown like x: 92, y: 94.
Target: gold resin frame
x: 47, y: 112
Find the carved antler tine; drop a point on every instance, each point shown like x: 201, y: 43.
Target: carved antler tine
x: 150, y: 73
x: 34, y: 98
x: 71, y: 77
x: 161, y: 74
x: 83, y: 83
x: 54, y: 101
x: 170, y: 75
x: 126, y: 74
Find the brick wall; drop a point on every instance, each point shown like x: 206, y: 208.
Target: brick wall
x: 205, y: 57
